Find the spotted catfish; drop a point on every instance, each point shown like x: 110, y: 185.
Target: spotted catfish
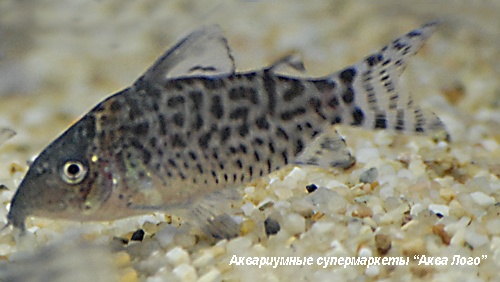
x: 192, y: 126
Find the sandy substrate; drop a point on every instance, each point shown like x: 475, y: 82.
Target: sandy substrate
x: 429, y: 209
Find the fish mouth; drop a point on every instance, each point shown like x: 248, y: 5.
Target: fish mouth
x: 16, y: 217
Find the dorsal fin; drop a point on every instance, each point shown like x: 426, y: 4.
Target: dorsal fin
x: 290, y: 63
x: 204, y: 52
x: 369, y: 89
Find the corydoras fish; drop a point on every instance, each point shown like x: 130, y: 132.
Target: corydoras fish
x: 192, y: 125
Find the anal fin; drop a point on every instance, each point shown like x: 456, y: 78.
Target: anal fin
x: 327, y: 150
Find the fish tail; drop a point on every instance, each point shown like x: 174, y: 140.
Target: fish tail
x: 369, y: 95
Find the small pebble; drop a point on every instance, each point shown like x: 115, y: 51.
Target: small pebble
x: 138, y: 235
x: 474, y: 239
x: 272, y: 226
x: 482, y: 199
x: 439, y: 210
x: 383, y: 243
x: 247, y: 226
x: 178, y: 256
x: 369, y: 176
x: 294, y: 223
x: 166, y: 235
x: 493, y: 226
x: 311, y: 188
x: 212, y: 275
x: 438, y: 229
x: 185, y: 272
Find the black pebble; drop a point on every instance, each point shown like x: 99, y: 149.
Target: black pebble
x: 138, y: 235
x: 311, y: 188
x: 272, y: 226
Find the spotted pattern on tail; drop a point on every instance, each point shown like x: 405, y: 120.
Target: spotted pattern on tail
x: 368, y: 92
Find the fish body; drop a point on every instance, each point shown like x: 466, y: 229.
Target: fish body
x: 192, y: 125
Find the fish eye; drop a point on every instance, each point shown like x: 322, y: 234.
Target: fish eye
x: 73, y: 172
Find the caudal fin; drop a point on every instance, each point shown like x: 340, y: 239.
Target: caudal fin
x: 369, y: 92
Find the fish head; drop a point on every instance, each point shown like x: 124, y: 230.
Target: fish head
x: 63, y: 181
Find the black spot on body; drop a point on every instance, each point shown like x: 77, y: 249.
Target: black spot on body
x: 88, y: 126
x: 152, y: 142
x: 334, y: 102
x: 163, y: 124
x: 243, y: 130
x: 115, y: 106
x: 398, y: 45
x: 239, y: 164
x: 414, y: 33
x: 175, y: 101
x: 347, y: 75
x: 299, y: 147
x: 400, y: 122
x: 258, y: 141
x: 239, y: 113
x: 225, y: 133
x: 380, y: 121
x: 197, y: 99
x: 262, y: 123
x: 178, y: 119
x: 284, y: 154
x: 290, y: 114
x: 200, y: 168
x: 315, y: 103
x: 193, y: 155
x: 348, y: 95
x: 296, y: 89
x: 204, y: 140
x: 324, y: 85
x: 256, y: 156
x: 198, y: 122
x: 336, y: 120
x: 172, y: 163
x: 134, y: 110
x: 281, y: 133
x: 270, y: 88
x: 357, y: 116
x: 271, y: 147
x: 372, y: 60
x: 146, y: 155
x: 178, y: 141
x: 244, y: 93
x: 243, y: 148
x: 217, y: 109
x: 213, y: 83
